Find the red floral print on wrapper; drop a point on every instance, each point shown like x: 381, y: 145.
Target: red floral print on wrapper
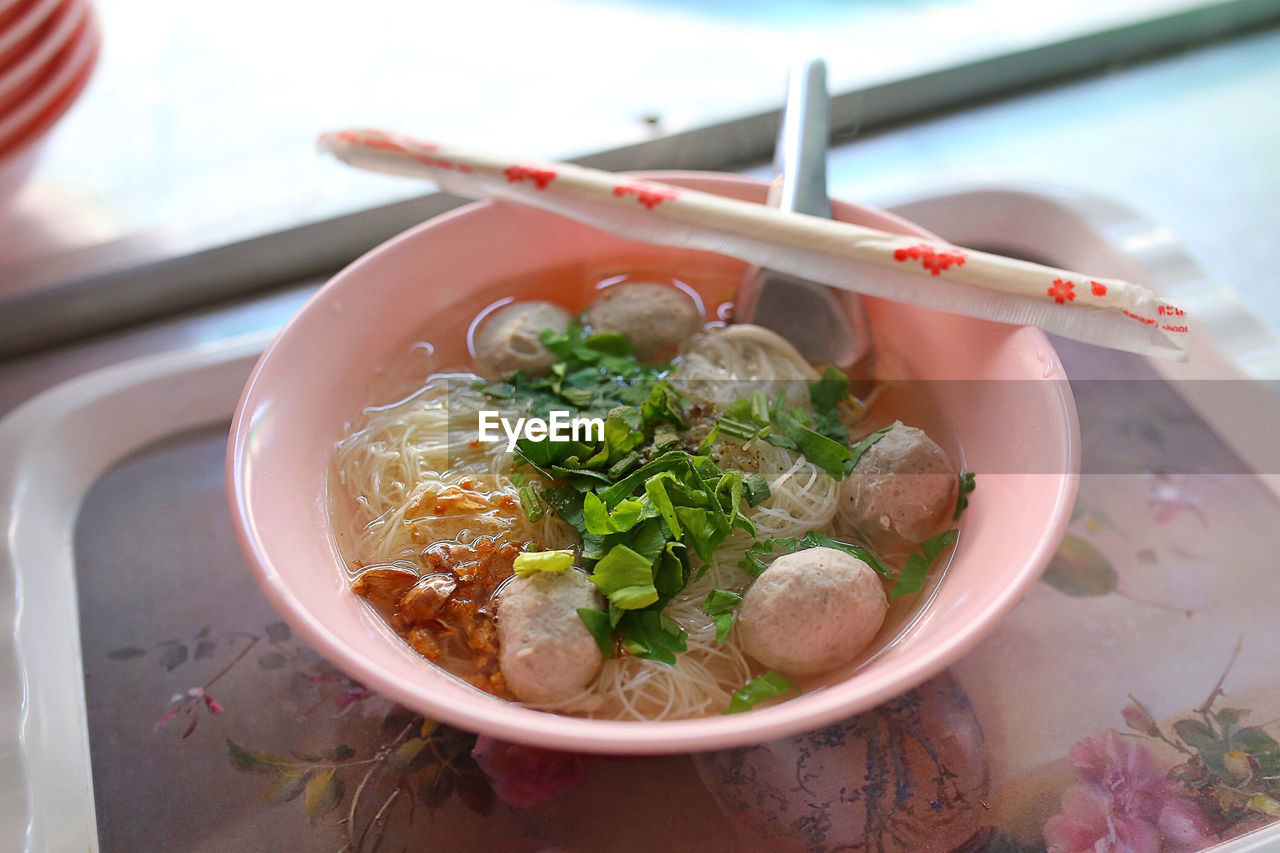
x: 1062, y: 290
x: 934, y: 261
x: 650, y: 197
x: 541, y: 177
x: 1098, y: 288
x: 527, y: 775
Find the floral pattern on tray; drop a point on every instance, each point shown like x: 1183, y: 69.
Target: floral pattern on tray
x: 1127, y: 704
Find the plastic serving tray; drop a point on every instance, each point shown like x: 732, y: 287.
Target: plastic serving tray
x: 150, y: 698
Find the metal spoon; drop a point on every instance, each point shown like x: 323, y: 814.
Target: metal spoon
x: 827, y: 326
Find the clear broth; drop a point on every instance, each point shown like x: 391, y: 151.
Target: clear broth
x: 445, y: 346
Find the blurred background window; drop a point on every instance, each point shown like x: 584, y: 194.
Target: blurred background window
x: 185, y: 174
x: 198, y: 123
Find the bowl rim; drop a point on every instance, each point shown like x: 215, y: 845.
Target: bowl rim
x: 515, y: 723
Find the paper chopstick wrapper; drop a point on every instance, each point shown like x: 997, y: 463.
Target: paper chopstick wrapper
x: 1104, y: 311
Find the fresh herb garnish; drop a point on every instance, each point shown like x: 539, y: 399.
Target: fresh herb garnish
x: 918, y: 564
x: 529, y: 562
x: 820, y: 436
x: 768, y: 686
x: 597, y: 622
x: 827, y: 453
x: 755, y: 488
x: 746, y: 418
x: 720, y: 606
x: 865, y: 444
x: 753, y: 563
x: 596, y: 374
x: 625, y: 577
x: 649, y: 634
x: 642, y: 502
x: 909, y: 580
x: 826, y: 395
x: 968, y: 482
x: 829, y: 391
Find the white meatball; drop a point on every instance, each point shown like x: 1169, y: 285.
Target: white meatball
x: 511, y: 339
x: 811, y: 611
x: 900, y: 489
x: 545, y: 651
x: 651, y: 317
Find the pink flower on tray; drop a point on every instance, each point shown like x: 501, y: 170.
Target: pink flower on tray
x: 1122, y: 804
x: 1183, y: 823
x: 1088, y: 823
x: 527, y: 775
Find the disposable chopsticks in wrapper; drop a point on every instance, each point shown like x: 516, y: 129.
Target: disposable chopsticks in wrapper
x: 1103, y: 311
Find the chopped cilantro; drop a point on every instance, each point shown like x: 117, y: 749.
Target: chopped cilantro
x: 829, y: 391
x: 819, y: 436
x: 720, y: 606
x: 649, y: 634
x: 756, y: 488
x: 768, y: 686
x: 708, y: 441
x: 918, y: 564
x: 642, y: 499
x: 968, y: 482
x: 597, y: 622
x: 665, y: 403
x: 754, y: 561
x: 566, y: 502
x: 609, y: 343
x: 596, y: 374
x: 528, y: 562
x: 827, y: 453
x: 601, y: 521
x: 746, y: 418
x: 910, y: 580
x: 865, y: 444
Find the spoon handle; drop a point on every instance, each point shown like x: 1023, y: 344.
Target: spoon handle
x: 800, y: 159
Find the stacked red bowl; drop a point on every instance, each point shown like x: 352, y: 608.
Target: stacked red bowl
x: 47, y: 52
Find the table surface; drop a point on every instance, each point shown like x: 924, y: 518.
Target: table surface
x: 1162, y: 575
x: 211, y: 725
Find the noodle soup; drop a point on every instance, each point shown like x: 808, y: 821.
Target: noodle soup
x: 756, y: 487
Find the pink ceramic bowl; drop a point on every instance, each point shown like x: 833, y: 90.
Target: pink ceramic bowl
x: 331, y: 358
